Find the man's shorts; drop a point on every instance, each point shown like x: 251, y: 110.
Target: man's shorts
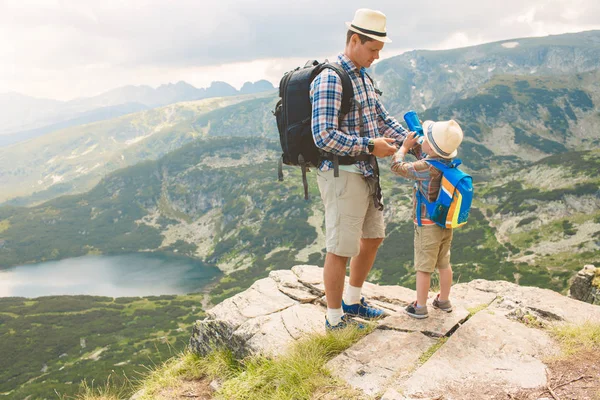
x: 349, y: 212
x: 432, y: 248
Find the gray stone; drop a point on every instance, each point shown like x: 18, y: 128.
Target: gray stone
x: 379, y: 357
x: 583, y: 288
x: 546, y: 304
x: 488, y: 353
x: 288, y: 284
x: 215, y: 385
x: 396, y: 295
x: 209, y: 334
x: 311, y: 276
x: 262, y: 298
x: 438, y: 324
x: 271, y: 334
x: 470, y: 297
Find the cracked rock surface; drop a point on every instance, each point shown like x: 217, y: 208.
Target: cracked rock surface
x: 492, y: 339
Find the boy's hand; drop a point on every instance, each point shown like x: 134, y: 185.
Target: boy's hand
x: 409, y: 141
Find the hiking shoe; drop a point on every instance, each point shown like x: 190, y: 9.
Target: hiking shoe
x: 344, y: 323
x: 362, y: 310
x: 442, y: 305
x: 415, y: 312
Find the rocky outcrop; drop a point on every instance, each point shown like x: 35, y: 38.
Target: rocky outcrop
x: 492, y: 341
x: 586, y: 285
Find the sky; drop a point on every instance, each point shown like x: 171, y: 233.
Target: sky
x: 63, y: 49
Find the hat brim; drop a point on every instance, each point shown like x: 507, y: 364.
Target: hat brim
x: 375, y: 37
x: 425, y: 126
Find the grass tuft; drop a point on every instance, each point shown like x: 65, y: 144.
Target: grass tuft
x: 474, y: 310
x: 295, y: 375
x: 576, y: 338
x: 432, y: 349
x: 108, y: 391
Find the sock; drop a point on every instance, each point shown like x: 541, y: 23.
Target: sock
x: 352, y: 295
x: 418, y: 306
x: 334, y: 315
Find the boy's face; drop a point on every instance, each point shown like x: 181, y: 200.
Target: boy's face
x: 427, y: 148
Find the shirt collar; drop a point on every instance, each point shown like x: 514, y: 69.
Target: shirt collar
x: 348, y: 65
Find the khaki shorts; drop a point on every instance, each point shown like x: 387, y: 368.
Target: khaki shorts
x: 432, y: 248
x: 349, y: 212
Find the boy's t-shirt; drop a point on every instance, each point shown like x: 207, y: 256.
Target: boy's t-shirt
x: 428, y: 179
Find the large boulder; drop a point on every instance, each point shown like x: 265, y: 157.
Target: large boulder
x: 586, y: 285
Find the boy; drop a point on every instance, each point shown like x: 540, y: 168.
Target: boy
x: 440, y: 142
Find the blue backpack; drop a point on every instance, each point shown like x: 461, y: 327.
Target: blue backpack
x: 451, y: 209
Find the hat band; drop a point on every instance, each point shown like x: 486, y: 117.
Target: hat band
x: 363, y: 30
x: 433, y: 143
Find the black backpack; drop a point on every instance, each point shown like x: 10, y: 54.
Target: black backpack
x: 294, y: 111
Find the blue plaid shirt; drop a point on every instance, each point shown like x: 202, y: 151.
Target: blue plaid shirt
x: 343, y: 137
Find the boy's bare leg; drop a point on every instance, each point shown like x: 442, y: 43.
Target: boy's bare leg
x: 445, y: 283
x: 423, y: 281
x: 361, y: 265
x: 334, y: 274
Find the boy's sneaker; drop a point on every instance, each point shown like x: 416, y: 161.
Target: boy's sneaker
x: 442, y: 305
x: 344, y: 323
x: 362, y: 310
x: 416, y: 312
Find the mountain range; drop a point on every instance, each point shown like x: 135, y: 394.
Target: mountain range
x: 198, y: 177
x: 25, y: 117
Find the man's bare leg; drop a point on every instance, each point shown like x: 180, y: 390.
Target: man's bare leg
x: 334, y: 275
x: 361, y: 265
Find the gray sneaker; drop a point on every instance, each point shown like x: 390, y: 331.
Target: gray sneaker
x: 442, y: 305
x: 415, y: 312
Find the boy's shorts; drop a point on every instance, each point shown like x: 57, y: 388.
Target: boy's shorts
x: 349, y: 212
x: 432, y: 248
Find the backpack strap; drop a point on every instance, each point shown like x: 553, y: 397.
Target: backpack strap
x: 418, y: 213
x: 379, y: 92
x: 347, y: 101
x: 347, y: 88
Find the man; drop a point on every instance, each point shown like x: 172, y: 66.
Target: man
x: 353, y: 215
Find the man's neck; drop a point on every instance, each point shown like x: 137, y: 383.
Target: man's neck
x: 347, y: 54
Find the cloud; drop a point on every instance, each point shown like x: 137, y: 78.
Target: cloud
x: 67, y: 48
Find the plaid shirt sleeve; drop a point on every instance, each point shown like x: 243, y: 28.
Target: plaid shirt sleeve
x: 416, y: 171
x: 388, y: 125
x: 326, y: 99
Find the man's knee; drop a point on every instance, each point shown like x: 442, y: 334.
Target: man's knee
x: 371, y: 244
x: 335, y: 260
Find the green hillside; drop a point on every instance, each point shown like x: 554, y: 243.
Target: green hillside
x: 52, y: 344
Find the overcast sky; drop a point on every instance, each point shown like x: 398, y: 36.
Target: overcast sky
x: 64, y: 49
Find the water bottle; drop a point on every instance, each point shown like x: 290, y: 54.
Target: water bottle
x: 414, y: 125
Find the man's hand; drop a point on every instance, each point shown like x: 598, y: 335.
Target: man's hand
x: 409, y: 142
x: 383, y: 147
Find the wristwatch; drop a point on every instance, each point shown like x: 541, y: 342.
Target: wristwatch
x: 371, y: 145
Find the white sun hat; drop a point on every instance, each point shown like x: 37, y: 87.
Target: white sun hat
x: 444, y: 137
x: 370, y: 23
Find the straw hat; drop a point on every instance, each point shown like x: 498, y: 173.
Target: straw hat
x: 370, y: 23
x: 444, y: 137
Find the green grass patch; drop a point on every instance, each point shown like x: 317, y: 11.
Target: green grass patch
x: 474, y: 310
x: 596, y: 281
x: 576, y: 338
x: 4, y: 225
x: 296, y: 375
x: 432, y: 349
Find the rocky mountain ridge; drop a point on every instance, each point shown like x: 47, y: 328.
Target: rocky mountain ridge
x: 493, y: 345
